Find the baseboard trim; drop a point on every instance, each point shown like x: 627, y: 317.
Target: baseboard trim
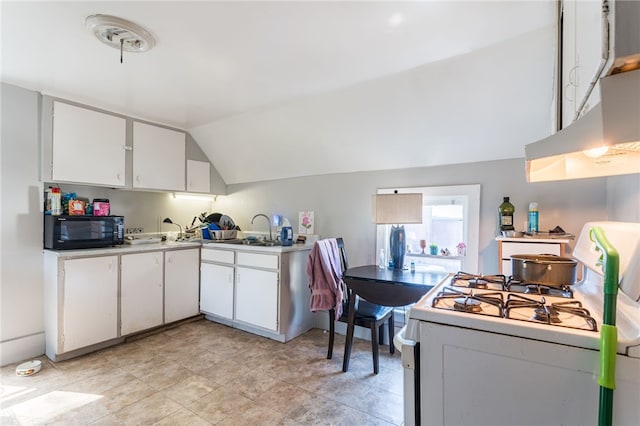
x: 21, y: 348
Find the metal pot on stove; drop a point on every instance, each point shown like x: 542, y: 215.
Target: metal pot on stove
x: 547, y: 269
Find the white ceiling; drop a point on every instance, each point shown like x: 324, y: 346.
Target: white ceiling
x: 259, y: 82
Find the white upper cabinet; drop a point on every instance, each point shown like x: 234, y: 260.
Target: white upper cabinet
x: 159, y: 158
x: 582, y: 39
x: 88, y: 146
x: 198, y: 176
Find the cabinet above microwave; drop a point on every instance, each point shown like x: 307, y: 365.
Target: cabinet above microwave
x: 83, y: 145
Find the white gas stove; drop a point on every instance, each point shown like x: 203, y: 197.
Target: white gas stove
x: 483, y: 339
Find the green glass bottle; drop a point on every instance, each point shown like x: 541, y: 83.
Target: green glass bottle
x: 505, y: 212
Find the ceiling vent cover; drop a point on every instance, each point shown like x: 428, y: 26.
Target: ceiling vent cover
x: 120, y: 33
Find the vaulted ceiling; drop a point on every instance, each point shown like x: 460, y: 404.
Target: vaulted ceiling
x: 273, y: 90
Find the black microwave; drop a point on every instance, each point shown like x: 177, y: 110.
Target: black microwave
x: 79, y: 232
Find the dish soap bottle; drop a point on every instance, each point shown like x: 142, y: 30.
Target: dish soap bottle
x: 533, y: 218
x: 505, y: 211
x: 381, y: 259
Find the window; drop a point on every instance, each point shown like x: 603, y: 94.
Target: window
x: 450, y: 221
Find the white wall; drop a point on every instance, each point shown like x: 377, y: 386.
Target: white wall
x: 483, y: 105
x: 623, y: 198
x: 21, y: 269
x: 342, y: 202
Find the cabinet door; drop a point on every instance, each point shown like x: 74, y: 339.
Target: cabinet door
x: 88, y: 146
x: 140, y: 291
x: 581, y: 55
x: 90, y: 301
x: 216, y: 289
x: 158, y: 158
x: 181, y: 284
x: 257, y: 297
x: 198, y: 176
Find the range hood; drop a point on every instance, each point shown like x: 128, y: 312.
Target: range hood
x: 605, y: 141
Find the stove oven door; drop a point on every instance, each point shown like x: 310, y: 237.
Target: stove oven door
x: 471, y: 377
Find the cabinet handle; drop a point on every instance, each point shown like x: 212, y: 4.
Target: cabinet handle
x: 572, y: 76
x: 565, y: 92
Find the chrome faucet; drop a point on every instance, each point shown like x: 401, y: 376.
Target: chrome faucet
x: 169, y: 221
x: 268, y: 221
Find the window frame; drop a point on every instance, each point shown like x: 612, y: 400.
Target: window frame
x: 471, y: 214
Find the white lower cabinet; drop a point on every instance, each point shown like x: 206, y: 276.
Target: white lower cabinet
x: 95, y: 301
x: 140, y: 291
x: 216, y: 289
x: 90, y: 301
x: 265, y: 293
x: 81, y: 303
x: 181, y: 284
x: 257, y: 297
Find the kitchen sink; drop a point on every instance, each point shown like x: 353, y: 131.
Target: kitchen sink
x: 247, y: 242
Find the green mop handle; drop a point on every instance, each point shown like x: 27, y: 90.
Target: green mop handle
x: 609, y: 334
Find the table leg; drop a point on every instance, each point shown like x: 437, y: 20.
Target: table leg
x: 350, y: 327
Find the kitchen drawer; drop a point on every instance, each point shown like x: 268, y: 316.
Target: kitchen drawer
x: 222, y: 256
x: 258, y: 260
x: 509, y: 249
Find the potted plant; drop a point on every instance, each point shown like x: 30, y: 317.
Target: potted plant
x: 433, y: 248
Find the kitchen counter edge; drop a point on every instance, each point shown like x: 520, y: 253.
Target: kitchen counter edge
x: 140, y: 248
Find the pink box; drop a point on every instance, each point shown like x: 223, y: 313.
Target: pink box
x: 101, y: 208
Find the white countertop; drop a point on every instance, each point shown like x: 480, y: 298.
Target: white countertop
x: 126, y: 249
x: 534, y: 239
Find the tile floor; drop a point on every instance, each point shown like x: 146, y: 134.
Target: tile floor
x: 203, y: 373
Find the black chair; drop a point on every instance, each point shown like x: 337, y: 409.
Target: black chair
x: 368, y: 315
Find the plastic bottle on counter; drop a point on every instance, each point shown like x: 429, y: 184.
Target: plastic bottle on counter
x: 381, y: 259
x: 505, y: 212
x: 533, y: 218
x: 56, y: 202
x: 47, y: 201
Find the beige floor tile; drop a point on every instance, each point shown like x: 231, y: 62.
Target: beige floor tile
x: 202, y: 373
x: 190, y: 389
x: 148, y: 410
x: 182, y: 417
x: 220, y: 404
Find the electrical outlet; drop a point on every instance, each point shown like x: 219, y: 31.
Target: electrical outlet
x: 139, y: 230
x: 134, y: 230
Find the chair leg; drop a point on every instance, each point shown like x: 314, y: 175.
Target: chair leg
x: 381, y: 334
x: 374, y: 346
x: 392, y: 329
x: 332, y: 331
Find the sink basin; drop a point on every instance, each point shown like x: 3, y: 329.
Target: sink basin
x: 247, y: 242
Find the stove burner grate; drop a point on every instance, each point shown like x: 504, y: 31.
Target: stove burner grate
x: 491, y: 304
x: 516, y: 285
x: 549, y: 314
x: 465, y: 279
